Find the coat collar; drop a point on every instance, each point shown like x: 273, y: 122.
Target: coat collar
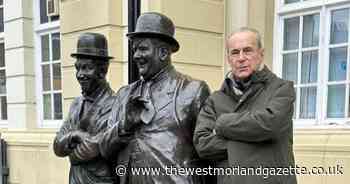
x: 101, y: 89
x: 258, y: 77
x: 164, y: 74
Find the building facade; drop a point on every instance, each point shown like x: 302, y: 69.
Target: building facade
x: 306, y: 41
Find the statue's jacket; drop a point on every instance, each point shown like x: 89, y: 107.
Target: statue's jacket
x: 97, y: 169
x: 166, y: 141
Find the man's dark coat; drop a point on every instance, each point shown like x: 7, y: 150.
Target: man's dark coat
x: 251, y: 130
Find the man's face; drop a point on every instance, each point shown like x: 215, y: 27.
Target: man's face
x: 87, y: 74
x: 244, y: 56
x: 147, y: 57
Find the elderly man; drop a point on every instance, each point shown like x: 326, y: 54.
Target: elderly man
x: 248, y: 122
x: 88, y: 114
x: 153, y: 119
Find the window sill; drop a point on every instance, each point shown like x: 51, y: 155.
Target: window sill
x: 51, y: 124
x: 323, y: 129
x: 50, y: 26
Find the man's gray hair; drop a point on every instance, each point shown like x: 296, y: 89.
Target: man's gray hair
x: 248, y: 29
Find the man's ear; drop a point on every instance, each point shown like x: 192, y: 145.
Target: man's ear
x: 262, y: 52
x: 163, y: 53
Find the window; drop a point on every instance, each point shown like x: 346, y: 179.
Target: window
x: 338, y: 68
x: 313, y: 53
x: 301, y: 38
x: 51, y: 76
x: 48, y: 61
x: 43, y: 13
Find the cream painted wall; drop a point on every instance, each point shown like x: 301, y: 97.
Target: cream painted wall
x: 323, y: 148
x: 200, y: 32
x: 31, y: 159
x: 84, y: 16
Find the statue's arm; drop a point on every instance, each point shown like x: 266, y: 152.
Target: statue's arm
x: 63, y: 143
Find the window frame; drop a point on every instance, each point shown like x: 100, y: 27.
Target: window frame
x: 50, y: 28
x: 328, y: 45
x: 324, y: 8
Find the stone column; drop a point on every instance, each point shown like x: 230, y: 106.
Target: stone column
x: 20, y: 64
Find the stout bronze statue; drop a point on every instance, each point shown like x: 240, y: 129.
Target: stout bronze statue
x: 88, y: 114
x: 153, y: 119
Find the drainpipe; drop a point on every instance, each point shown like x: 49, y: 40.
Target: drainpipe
x: 4, y: 170
x: 134, y: 9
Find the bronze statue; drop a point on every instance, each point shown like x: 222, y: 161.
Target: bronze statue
x: 153, y: 119
x: 88, y: 114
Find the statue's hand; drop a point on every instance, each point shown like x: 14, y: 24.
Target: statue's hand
x: 77, y: 137
x: 133, y: 111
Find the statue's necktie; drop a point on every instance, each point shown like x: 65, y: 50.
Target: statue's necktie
x: 148, y: 112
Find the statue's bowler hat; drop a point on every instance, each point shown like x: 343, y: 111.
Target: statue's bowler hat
x: 92, y: 45
x: 152, y: 24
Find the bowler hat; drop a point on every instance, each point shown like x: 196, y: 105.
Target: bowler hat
x: 92, y: 45
x: 152, y: 24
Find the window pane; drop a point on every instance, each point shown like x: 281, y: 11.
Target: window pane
x: 47, y: 107
x: 58, y: 105
x: 1, y: 2
x: 291, y: 1
x: 309, y: 67
x: 337, y: 64
x: 310, y: 30
x: 308, y: 102
x: 290, y: 67
x: 291, y: 33
x: 336, y: 101
x: 46, y: 77
x: 56, y: 76
x: 56, y: 51
x: 2, y: 82
x: 339, y: 26
x: 3, y: 107
x: 43, y: 14
x: 54, y: 18
x: 2, y: 55
x: 45, y: 48
x: 1, y: 19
